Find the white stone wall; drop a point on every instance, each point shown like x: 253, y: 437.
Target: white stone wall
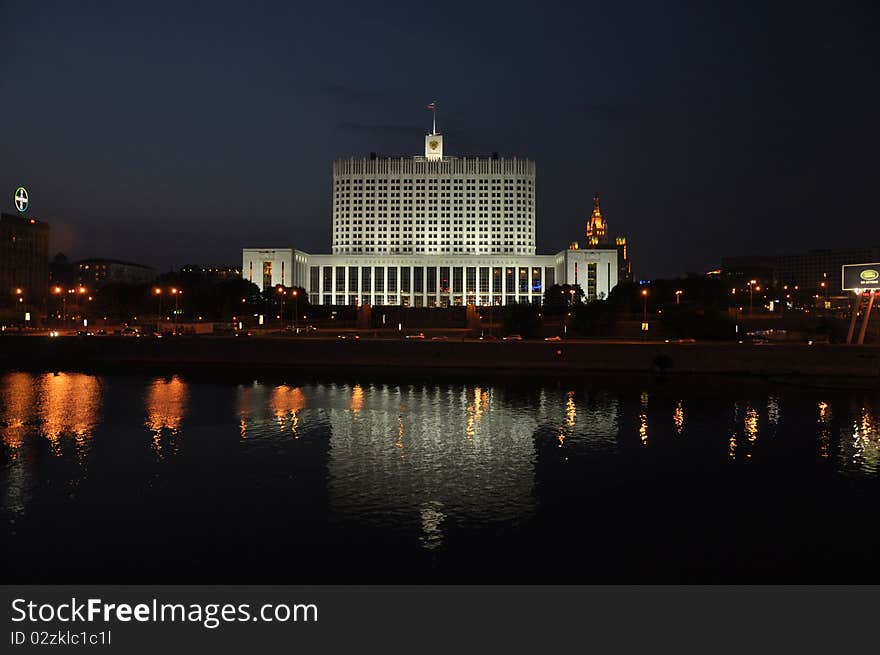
x: 575, y: 268
x: 279, y: 261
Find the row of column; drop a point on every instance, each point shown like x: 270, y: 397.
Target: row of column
x: 439, y: 285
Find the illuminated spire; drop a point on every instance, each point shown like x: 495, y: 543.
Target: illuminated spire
x: 597, y: 228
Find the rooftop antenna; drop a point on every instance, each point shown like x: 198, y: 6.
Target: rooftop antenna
x: 433, y: 108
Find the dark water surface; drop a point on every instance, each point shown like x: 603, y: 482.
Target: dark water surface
x: 137, y: 478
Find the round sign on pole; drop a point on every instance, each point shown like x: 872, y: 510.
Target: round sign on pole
x: 21, y: 199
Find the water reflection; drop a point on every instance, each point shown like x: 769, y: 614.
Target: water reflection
x: 860, y: 443
x: 432, y: 526
x: 17, y: 394
x: 480, y: 464
x: 69, y: 404
x: 166, y: 406
x: 678, y: 417
x: 63, y: 409
x: 824, y: 421
x: 431, y: 457
x: 744, y: 432
x: 286, y: 403
x: 643, y: 419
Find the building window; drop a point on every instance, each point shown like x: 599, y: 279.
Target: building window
x: 340, y: 281
x: 404, y: 279
x: 352, y: 281
x: 431, y: 285
x: 366, y: 283
x: 380, y: 280
x: 484, y: 279
x: 471, y: 279
x: 419, y: 279
x: 523, y: 280
x: 549, y: 276
x: 536, y: 279
x: 314, y: 279
x: 444, y: 280
x: 267, y: 275
x: 457, y: 281
x: 591, y: 280
x: 392, y: 279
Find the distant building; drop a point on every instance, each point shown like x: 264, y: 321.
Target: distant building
x: 24, y: 262
x: 597, y: 233
x: 216, y: 273
x: 432, y: 231
x: 624, y: 266
x: 597, y: 237
x: 806, y: 270
x: 95, y: 273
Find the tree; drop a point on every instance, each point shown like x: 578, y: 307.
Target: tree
x: 520, y: 318
x: 593, y: 319
x: 564, y: 295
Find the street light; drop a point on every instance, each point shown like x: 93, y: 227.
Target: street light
x: 751, y: 287
x: 678, y: 296
x: 176, y: 293
x: 645, y: 314
x: 280, y: 290
x: 158, y: 293
x: 295, y: 293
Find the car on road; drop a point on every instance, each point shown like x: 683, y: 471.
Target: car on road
x: 513, y: 337
x: 348, y: 336
x: 556, y: 338
x: 420, y: 335
x: 440, y: 338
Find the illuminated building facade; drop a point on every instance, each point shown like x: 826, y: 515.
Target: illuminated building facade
x: 596, y: 226
x: 432, y: 231
x: 24, y: 262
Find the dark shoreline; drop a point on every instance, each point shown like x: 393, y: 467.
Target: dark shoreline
x: 819, y: 365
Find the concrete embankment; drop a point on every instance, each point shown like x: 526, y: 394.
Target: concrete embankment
x: 526, y: 358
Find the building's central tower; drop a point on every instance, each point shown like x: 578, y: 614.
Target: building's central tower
x: 434, y: 204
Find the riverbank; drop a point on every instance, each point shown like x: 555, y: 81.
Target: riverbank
x: 520, y: 358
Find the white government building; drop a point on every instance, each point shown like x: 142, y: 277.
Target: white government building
x: 432, y: 231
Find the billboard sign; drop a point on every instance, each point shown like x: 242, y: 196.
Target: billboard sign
x: 21, y: 199
x: 861, y: 277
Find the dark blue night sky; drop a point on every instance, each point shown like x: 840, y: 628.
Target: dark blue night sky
x: 170, y: 134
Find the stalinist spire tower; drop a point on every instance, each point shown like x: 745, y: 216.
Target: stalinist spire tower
x: 597, y: 228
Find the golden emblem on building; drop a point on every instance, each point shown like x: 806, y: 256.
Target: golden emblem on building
x: 433, y: 144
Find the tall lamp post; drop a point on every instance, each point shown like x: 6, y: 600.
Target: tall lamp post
x: 295, y: 293
x: 281, y: 292
x: 176, y: 293
x: 158, y: 293
x: 678, y: 296
x: 751, y: 288
x: 644, y: 314
x: 56, y: 291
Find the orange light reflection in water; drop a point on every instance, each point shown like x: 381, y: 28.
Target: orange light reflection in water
x: 166, y: 403
x: 286, y: 404
x: 16, y: 409
x: 69, y: 404
x: 357, y: 399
